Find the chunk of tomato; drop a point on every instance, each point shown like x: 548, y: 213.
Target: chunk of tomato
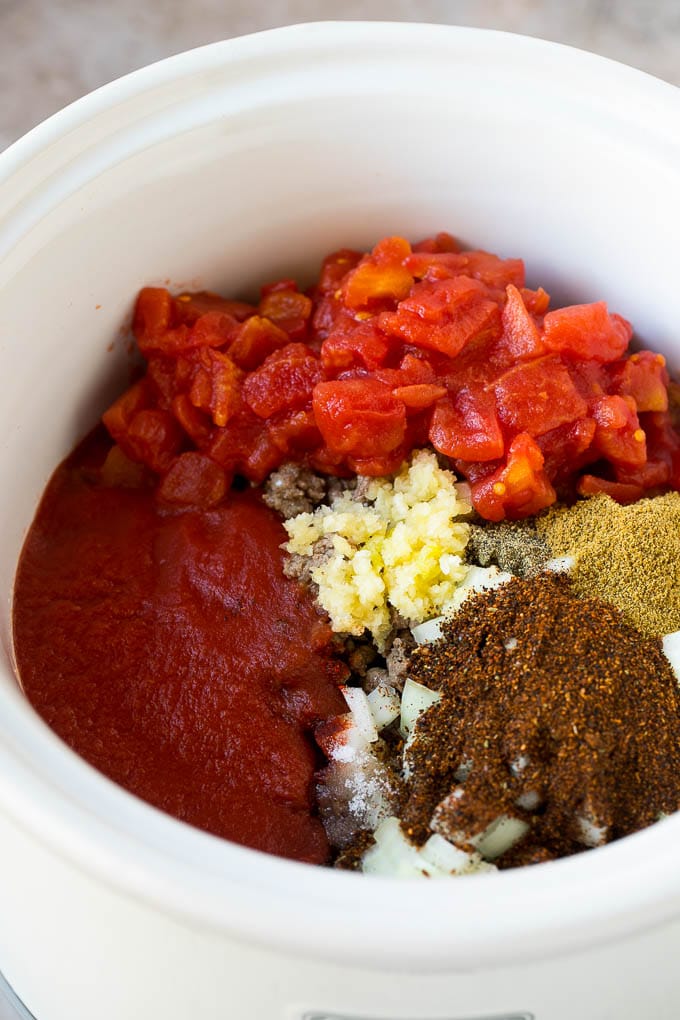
x: 519, y: 488
x: 284, y: 381
x: 537, y: 396
x: 465, y: 426
x: 587, y: 331
x: 643, y: 377
x: 380, y: 276
x: 193, y: 480
x: 521, y: 336
x: 255, y: 340
x: 618, y: 434
x: 359, y: 417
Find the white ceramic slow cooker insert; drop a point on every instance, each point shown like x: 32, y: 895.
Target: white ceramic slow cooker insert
x: 220, y: 169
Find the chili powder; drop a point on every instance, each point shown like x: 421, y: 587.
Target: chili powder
x: 554, y: 710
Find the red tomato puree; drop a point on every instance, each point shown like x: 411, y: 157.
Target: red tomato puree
x: 170, y: 651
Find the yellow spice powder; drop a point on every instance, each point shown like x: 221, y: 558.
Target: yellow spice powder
x: 628, y: 556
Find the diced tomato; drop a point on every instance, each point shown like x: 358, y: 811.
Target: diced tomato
x: 193, y: 480
x: 464, y: 426
x: 418, y: 396
x: 412, y: 371
x: 567, y: 448
x: 520, y: 332
x: 118, y: 417
x: 245, y: 447
x: 473, y: 318
x: 189, y: 307
x: 153, y: 437
x: 295, y: 432
x: 359, y: 417
x: 519, y: 488
x: 591, y: 485
x: 590, y: 378
x: 194, y: 422
x: 286, y: 284
x: 327, y: 310
x: 161, y: 372
x: 494, y: 271
x: 537, y: 396
x: 536, y: 301
x: 379, y: 467
x: 436, y: 265
x: 618, y: 435
x: 643, y: 377
x: 327, y: 462
x: 284, y: 381
x: 255, y: 340
x: 154, y: 322
x: 587, y: 331
x: 441, y: 242
x: 216, y: 385
x: 288, y: 309
x: 653, y: 474
x: 663, y: 444
x: 397, y: 348
x: 213, y: 329
x: 354, y: 344
x: 119, y: 472
x: 335, y: 268
x: 432, y: 300
x: 153, y: 314
x: 379, y: 276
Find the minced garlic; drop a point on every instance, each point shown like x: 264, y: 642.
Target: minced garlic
x: 398, y: 547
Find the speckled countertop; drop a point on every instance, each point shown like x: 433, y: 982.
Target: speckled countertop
x: 53, y: 51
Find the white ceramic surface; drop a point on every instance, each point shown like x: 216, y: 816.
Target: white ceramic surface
x: 221, y: 168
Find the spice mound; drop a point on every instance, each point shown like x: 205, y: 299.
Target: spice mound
x: 554, y: 713
x: 626, y: 555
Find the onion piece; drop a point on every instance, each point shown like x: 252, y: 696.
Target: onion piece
x: 671, y: 648
x: 499, y: 836
x: 430, y: 630
x: 415, y: 700
x: 477, y: 579
x: 450, y: 859
x: 394, y: 856
x: 384, y: 704
x: 362, y: 716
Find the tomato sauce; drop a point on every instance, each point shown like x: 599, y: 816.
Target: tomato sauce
x: 169, y: 650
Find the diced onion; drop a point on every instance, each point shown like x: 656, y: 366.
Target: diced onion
x: 671, y: 647
x: 591, y: 834
x: 415, y: 700
x: 477, y: 579
x: 362, y: 716
x: 499, y: 836
x: 447, y: 858
x: 395, y: 857
x: 430, y: 630
x: 384, y: 704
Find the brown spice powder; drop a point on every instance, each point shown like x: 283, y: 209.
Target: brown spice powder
x: 626, y: 555
x: 552, y: 700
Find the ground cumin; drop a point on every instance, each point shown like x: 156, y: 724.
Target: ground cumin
x: 554, y: 710
x: 626, y: 555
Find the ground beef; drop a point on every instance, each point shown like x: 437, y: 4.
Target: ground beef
x: 293, y: 490
x: 302, y: 567
x: 398, y: 656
